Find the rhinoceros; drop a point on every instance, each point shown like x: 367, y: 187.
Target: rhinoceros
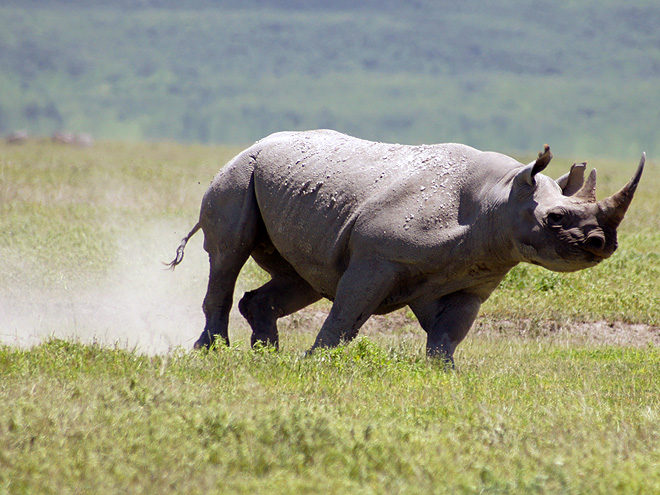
x: 375, y: 227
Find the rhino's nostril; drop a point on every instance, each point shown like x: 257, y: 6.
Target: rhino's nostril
x: 595, y: 243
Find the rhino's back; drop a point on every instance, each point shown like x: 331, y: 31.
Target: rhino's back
x: 311, y: 187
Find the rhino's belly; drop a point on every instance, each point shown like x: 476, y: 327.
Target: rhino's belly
x: 312, y: 239
x: 313, y: 246
x: 309, y: 212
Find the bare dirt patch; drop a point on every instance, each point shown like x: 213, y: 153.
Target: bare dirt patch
x: 402, y: 325
x: 151, y: 315
x: 592, y: 333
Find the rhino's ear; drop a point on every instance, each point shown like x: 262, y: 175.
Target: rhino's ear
x: 529, y: 171
x: 571, y: 182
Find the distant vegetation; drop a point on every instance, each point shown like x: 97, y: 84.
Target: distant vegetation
x: 582, y: 76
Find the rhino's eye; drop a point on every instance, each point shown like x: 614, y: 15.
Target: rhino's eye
x: 555, y: 218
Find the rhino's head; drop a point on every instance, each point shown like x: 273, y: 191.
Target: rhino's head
x: 560, y: 224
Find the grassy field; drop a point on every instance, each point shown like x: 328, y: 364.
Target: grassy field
x: 519, y: 417
x: 100, y: 394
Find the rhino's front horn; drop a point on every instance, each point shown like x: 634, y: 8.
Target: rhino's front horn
x: 614, y: 208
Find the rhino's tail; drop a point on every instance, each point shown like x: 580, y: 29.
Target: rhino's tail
x: 179, y: 251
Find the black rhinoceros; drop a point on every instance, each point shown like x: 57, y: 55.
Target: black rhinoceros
x: 375, y: 227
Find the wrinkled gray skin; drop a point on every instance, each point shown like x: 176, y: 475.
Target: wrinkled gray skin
x: 375, y: 227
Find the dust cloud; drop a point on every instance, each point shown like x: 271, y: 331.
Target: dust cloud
x: 139, y: 305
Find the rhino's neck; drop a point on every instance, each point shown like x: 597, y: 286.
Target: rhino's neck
x: 486, y: 207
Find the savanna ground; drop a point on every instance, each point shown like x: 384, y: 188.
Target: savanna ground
x: 556, y: 388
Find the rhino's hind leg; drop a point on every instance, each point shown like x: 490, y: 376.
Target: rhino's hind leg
x: 447, y: 321
x: 224, y: 271
x: 283, y: 295
x: 232, y: 226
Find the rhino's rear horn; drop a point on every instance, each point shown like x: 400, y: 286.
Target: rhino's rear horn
x: 588, y: 190
x: 614, y: 208
x: 571, y: 182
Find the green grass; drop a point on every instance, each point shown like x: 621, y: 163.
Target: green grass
x: 519, y: 417
x: 63, y: 209
x: 523, y: 414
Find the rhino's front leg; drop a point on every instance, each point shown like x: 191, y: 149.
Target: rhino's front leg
x: 447, y: 321
x: 361, y: 290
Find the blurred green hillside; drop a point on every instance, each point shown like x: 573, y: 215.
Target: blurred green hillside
x: 506, y: 75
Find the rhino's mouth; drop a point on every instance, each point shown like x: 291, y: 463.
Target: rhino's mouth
x: 569, y: 260
x: 585, y: 250
x: 596, y: 254
x: 586, y: 257
x: 594, y: 258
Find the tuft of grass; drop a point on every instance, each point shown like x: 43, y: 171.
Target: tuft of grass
x: 517, y: 417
